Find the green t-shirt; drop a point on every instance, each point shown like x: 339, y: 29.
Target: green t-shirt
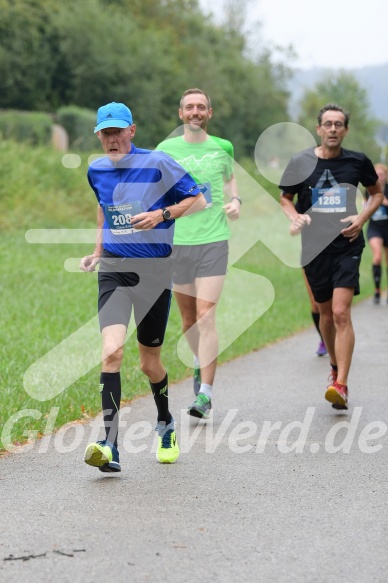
x: 210, y: 163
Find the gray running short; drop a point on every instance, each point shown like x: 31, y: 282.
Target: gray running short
x: 192, y: 261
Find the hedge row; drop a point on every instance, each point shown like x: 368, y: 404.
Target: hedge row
x: 36, y: 128
x: 79, y: 124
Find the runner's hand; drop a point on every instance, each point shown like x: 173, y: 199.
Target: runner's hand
x: 299, y: 222
x: 353, y: 230
x: 148, y: 220
x: 232, y: 209
x: 89, y: 262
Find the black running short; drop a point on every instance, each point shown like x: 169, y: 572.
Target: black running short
x: 192, y: 261
x: 329, y: 271
x: 142, y: 284
x: 378, y: 229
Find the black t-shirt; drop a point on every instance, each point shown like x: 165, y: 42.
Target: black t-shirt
x: 327, y: 190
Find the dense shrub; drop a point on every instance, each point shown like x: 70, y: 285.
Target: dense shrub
x: 79, y: 123
x: 20, y: 126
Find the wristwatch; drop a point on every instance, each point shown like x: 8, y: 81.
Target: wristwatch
x: 166, y: 214
x: 237, y: 198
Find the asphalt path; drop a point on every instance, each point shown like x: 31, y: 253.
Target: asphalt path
x: 276, y: 486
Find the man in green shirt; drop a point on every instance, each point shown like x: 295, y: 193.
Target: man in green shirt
x: 200, y: 252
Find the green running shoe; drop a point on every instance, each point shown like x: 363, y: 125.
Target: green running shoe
x: 197, y: 380
x: 103, y: 455
x: 201, y: 407
x: 168, y: 448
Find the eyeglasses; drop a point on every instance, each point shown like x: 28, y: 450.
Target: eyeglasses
x: 337, y: 124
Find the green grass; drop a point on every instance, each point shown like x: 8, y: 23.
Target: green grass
x: 43, y: 304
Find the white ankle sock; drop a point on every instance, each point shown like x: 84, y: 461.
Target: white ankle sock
x: 206, y: 390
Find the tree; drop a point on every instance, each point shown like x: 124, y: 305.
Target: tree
x: 343, y: 89
x: 144, y: 53
x: 28, y: 53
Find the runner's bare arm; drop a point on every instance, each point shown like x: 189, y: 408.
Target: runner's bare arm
x: 150, y: 219
x: 89, y: 262
x: 298, y: 221
x: 232, y: 208
x: 357, y: 221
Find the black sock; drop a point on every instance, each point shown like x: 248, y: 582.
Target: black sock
x: 334, y: 367
x: 110, y: 388
x: 160, y: 393
x: 376, y: 269
x: 315, y: 317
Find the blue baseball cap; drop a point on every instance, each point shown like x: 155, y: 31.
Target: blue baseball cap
x: 113, y: 115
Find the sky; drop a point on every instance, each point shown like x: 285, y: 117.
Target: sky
x: 337, y: 34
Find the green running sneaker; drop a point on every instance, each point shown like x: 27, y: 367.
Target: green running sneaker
x: 201, y: 407
x: 103, y: 455
x: 197, y: 380
x: 168, y: 448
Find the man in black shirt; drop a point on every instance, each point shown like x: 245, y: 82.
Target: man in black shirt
x: 325, y: 179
